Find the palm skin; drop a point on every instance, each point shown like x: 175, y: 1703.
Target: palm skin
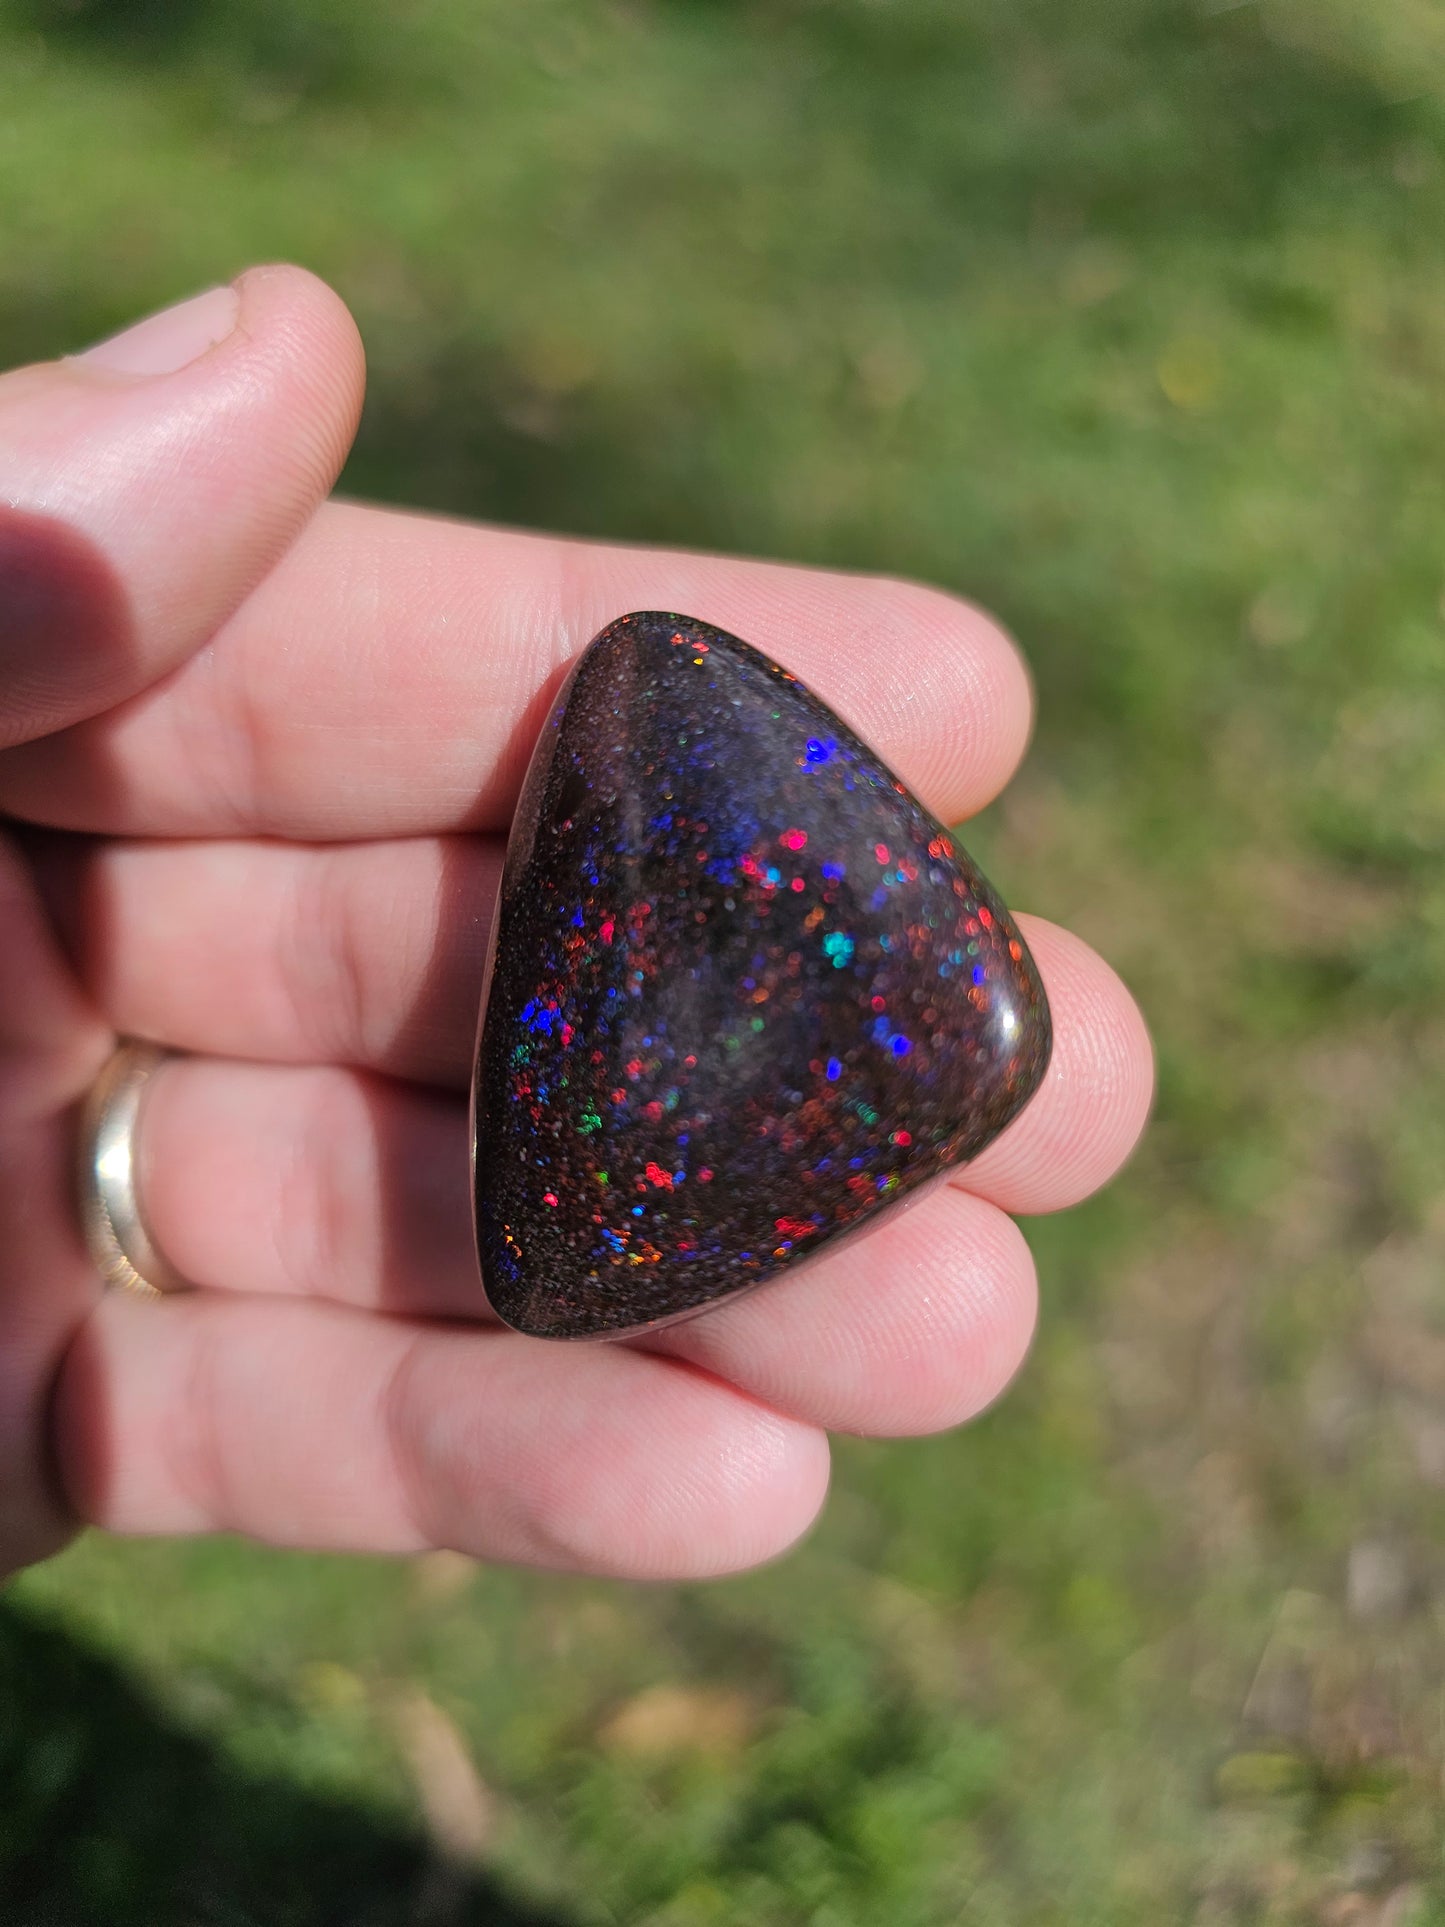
x: 259, y: 752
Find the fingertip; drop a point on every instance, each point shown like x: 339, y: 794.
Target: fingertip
x: 719, y: 1483
x: 1089, y: 1113
x: 912, y: 1329
x: 309, y: 339
x: 935, y: 685
x: 967, y: 1335
x: 931, y: 681
x: 963, y: 665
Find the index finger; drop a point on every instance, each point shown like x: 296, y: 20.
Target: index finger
x: 390, y: 677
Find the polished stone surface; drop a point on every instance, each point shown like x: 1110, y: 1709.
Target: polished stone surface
x: 747, y: 995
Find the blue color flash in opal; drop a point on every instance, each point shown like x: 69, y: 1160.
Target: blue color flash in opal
x: 746, y: 996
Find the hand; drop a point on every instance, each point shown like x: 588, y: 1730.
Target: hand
x: 284, y: 736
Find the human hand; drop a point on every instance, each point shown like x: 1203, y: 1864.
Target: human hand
x: 282, y: 738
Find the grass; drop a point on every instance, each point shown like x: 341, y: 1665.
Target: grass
x: 1128, y: 320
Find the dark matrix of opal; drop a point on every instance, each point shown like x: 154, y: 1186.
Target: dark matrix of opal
x: 747, y: 993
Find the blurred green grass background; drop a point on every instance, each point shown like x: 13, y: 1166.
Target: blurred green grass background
x: 1127, y: 319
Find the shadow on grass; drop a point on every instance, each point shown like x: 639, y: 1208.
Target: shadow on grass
x: 263, y: 40
x: 111, y: 1815
x: 131, y: 24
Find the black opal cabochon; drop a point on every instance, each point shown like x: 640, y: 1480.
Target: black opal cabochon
x: 746, y: 995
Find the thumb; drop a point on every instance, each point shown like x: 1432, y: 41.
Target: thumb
x: 148, y: 484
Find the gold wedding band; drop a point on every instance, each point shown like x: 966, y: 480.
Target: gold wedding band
x: 116, y: 1232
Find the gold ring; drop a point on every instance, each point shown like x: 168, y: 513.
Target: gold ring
x: 120, y: 1242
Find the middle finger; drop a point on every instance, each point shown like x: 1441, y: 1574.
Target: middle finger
x: 372, y: 955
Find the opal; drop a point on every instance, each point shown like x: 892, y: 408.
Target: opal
x: 746, y: 997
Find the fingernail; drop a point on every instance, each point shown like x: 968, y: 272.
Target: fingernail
x: 166, y: 342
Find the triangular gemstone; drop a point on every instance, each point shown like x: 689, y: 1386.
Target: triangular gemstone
x: 746, y: 996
